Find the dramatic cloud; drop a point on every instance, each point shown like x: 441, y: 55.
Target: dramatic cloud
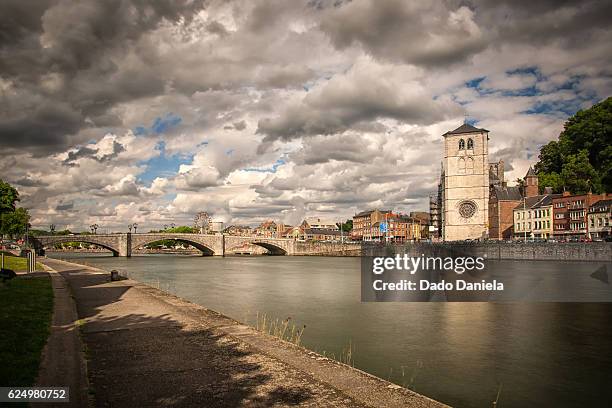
x: 344, y: 101
x: 427, y: 33
x: 122, y: 111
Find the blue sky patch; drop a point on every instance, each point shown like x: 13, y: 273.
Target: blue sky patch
x: 160, y: 125
x: 163, y: 165
x: 562, y: 108
x: 475, y: 83
x: 272, y: 169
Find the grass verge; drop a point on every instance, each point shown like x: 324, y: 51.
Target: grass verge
x: 26, y: 307
x: 18, y: 264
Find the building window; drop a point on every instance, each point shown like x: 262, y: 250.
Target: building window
x: 461, y: 144
x: 470, y: 144
x: 467, y: 209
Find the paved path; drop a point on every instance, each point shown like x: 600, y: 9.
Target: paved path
x: 148, y: 348
x: 63, y: 362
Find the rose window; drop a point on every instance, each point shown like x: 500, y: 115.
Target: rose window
x: 467, y: 209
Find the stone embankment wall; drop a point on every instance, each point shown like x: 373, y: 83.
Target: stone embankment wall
x: 327, y: 248
x: 549, y: 251
x: 536, y: 251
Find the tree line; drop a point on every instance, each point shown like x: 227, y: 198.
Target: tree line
x: 13, y: 220
x: 581, y: 159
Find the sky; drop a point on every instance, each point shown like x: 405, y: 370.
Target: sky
x: 130, y: 111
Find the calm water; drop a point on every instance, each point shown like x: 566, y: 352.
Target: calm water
x: 546, y: 354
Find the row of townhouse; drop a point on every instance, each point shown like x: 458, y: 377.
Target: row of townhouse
x: 311, y: 229
x: 521, y: 212
x: 385, y: 225
x: 564, y: 217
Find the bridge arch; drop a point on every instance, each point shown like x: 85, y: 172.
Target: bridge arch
x: 86, y: 239
x: 205, y: 249
x: 272, y: 248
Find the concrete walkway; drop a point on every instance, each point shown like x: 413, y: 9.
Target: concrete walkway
x: 63, y: 361
x: 148, y: 348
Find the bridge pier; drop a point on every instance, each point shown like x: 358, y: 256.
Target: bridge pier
x: 222, y: 246
x: 125, y: 245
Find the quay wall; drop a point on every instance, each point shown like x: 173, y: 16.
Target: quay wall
x: 535, y: 251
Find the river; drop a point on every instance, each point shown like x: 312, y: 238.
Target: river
x: 540, y: 354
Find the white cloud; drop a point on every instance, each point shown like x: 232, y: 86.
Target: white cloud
x: 286, y: 109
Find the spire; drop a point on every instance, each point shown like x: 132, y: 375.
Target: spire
x: 531, y: 183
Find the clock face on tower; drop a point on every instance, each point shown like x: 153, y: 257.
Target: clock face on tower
x: 467, y: 209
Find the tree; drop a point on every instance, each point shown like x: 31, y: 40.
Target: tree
x: 578, y: 174
x: 521, y: 185
x: 14, y: 223
x: 8, y: 197
x: 553, y: 180
x: 550, y: 159
x: 182, y: 229
x: 346, y: 226
x: 582, y: 157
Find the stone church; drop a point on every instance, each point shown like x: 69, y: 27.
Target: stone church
x: 465, y: 180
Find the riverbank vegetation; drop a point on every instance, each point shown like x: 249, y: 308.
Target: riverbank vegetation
x: 283, y: 329
x: 26, y: 306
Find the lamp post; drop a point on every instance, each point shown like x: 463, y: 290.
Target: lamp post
x: 27, y: 244
x: 130, y: 227
x: 135, y: 226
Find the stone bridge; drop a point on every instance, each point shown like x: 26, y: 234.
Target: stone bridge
x: 123, y: 244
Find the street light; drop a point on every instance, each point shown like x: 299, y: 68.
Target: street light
x: 135, y: 226
x: 130, y: 228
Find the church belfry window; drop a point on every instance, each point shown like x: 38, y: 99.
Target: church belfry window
x: 461, y: 144
x: 470, y: 144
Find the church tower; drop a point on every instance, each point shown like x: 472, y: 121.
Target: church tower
x: 466, y: 183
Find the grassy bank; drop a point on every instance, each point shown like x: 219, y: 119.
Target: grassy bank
x: 26, y: 306
x: 18, y: 264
